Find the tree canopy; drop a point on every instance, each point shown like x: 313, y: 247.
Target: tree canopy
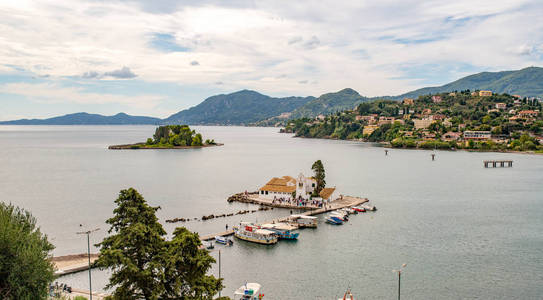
x: 25, y: 268
x: 144, y: 264
x: 318, y: 170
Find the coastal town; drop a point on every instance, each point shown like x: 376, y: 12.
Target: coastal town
x: 476, y: 120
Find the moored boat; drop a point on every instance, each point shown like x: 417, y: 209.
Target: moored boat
x: 249, y: 291
x: 303, y: 221
x: 350, y: 210
x: 368, y: 207
x: 254, y: 233
x: 223, y: 240
x: 334, y: 220
x: 359, y: 209
x: 283, y: 230
x: 342, y: 217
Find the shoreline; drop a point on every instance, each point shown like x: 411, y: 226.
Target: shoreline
x: 389, y: 146
x: 141, y: 146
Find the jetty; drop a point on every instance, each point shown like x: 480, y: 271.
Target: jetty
x: 339, y: 203
x: 69, y: 264
x: 498, y: 163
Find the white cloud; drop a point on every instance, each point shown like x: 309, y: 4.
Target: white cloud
x: 272, y: 46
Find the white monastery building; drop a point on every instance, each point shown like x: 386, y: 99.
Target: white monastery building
x: 302, y: 188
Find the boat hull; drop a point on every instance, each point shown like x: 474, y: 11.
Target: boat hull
x: 255, y: 240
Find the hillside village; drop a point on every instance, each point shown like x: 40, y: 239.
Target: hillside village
x: 467, y: 119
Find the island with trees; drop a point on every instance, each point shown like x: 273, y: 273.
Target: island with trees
x: 472, y: 120
x: 171, y: 137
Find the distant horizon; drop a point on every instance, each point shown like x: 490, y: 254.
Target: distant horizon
x: 105, y: 57
x: 227, y: 93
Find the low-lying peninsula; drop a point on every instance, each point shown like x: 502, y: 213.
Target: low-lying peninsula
x: 475, y: 121
x: 171, y: 137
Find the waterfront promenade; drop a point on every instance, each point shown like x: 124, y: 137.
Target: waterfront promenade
x: 68, y: 264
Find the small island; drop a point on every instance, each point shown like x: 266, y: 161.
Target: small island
x: 171, y: 137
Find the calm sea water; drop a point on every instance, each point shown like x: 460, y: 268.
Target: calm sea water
x: 465, y: 232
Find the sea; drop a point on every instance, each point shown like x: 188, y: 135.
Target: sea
x: 463, y: 231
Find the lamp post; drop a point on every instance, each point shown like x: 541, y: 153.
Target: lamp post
x: 88, y: 232
x: 219, y: 270
x: 399, y: 271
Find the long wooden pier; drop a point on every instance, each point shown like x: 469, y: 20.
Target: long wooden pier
x: 339, y: 203
x: 498, y: 163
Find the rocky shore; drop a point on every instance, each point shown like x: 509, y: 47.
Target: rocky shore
x: 137, y: 146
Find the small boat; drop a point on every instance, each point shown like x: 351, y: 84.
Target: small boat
x: 334, y: 220
x: 342, y: 217
x: 283, y: 230
x: 347, y: 296
x: 249, y: 291
x: 350, y: 210
x: 223, y: 240
x: 253, y: 233
x: 369, y: 207
x: 303, y: 221
x: 359, y: 209
x: 210, y: 246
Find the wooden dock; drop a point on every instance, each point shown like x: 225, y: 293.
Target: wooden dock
x: 69, y: 264
x: 498, y: 163
x: 344, y: 201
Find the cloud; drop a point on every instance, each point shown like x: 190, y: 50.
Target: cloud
x: 302, y: 81
x: 312, y: 43
x: 90, y: 74
x: 294, y: 40
x: 123, y: 73
x: 375, y: 47
x: 194, y: 63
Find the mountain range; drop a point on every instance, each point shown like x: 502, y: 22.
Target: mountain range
x: 249, y: 107
x: 88, y: 119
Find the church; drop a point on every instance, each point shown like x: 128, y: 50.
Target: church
x: 301, y: 188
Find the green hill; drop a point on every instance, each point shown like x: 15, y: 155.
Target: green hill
x: 527, y: 82
x: 237, y: 108
x: 329, y: 103
x: 88, y: 119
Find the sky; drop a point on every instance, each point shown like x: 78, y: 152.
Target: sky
x: 158, y: 57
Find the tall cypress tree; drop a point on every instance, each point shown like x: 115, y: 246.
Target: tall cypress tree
x: 318, y: 169
x: 144, y: 264
x: 133, y: 251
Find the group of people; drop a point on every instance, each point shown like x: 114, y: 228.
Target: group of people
x: 300, y: 202
x: 56, y: 289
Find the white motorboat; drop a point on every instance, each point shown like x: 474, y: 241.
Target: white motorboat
x: 249, y: 291
x: 223, y: 240
x: 254, y: 233
x: 304, y: 221
x: 368, y: 207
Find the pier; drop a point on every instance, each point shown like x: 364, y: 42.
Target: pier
x: 342, y: 202
x: 69, y: 264
x: 498, y: 163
